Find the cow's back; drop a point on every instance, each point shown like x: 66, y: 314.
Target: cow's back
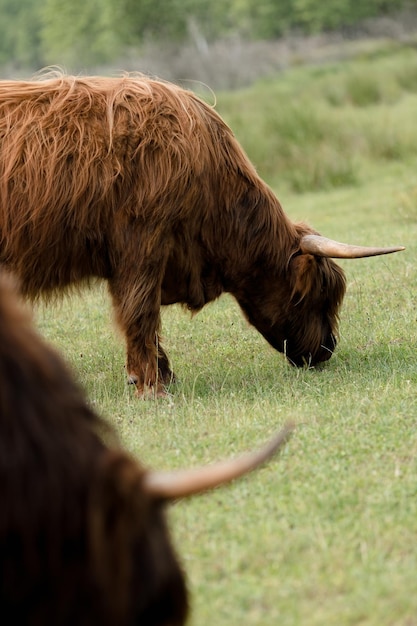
x: 86, y: 161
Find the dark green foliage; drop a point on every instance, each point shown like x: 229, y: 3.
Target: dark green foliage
x: 87, y: 32
x: 273, y: 18
x: 20, y: 24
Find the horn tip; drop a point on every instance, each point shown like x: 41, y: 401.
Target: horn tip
x: 395, y: 249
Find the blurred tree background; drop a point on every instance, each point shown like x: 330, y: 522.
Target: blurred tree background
x: 82, y: 34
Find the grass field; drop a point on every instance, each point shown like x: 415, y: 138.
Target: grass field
x: 326, y: 534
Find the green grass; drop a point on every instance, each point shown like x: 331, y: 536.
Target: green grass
x: 326, y: 534
x: 317, y: 127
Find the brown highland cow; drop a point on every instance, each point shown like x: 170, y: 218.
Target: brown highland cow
x: 140, y: 183
x: 83, y: 537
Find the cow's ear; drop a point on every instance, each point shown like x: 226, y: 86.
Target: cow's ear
x: 318, y: 280
x: 305, y: 277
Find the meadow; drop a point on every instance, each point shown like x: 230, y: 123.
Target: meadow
x: 326, y: 533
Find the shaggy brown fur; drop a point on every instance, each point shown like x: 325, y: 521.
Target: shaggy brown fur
x: 81, y: 543
x: 140, y: 183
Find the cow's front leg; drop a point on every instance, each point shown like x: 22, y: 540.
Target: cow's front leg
x: 137, y: 310
x: 165, y: 374
x: 149, y: 381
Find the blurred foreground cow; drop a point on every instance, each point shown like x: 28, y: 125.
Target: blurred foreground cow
x: 142, y: 184
x: 83, y: 538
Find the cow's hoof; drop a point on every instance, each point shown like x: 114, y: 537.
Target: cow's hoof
x: 152, y: 393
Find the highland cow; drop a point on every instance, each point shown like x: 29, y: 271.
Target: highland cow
x: 83, y: 537
x: 141, y: 183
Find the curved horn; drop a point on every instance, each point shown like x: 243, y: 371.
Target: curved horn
x: 183, y: 483
x: 321, y: 246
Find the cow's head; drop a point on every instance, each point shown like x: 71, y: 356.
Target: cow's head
x: 296, y: 309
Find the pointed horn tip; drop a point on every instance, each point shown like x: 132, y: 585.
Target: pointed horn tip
x: 183, y: 483
x: 389, y: 250
x: 322, y: 246
x: 285, y: 433
x: 269, y: 449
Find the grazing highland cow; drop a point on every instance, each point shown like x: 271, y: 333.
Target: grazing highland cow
x: 83, y: 538
x: 141, y: 183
